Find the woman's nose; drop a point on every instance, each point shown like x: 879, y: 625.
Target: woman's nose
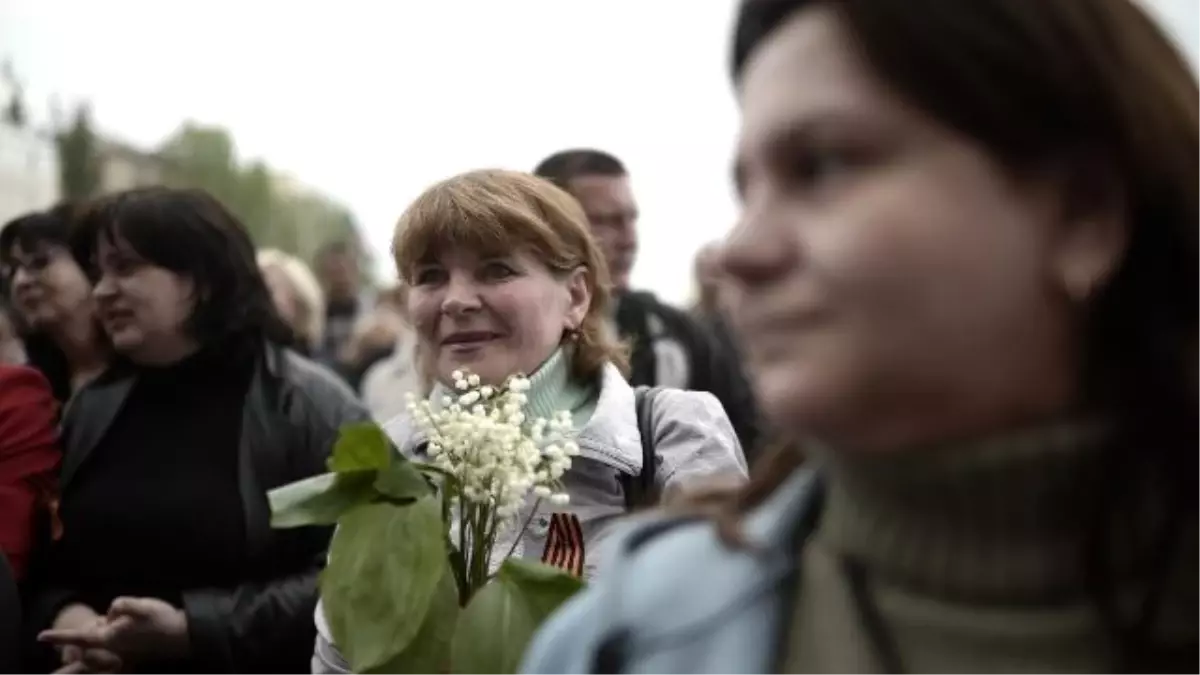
x: 461, y: 297
x: 104, y: 289
x: 22, y: 278
x: 761, y: 247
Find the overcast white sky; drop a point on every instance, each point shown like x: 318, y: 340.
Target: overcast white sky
x: 373, y: 101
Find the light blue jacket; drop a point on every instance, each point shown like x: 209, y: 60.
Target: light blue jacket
x: 674, y: 599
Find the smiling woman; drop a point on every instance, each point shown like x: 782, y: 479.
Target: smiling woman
x: 504, y: 277
x: 494, y: 232
x: 167, y: 562
x: 51, y: 299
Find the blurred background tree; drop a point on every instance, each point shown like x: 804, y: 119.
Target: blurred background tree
x: 14, y: 110
x: 79, y: 162
x: 278, y: 211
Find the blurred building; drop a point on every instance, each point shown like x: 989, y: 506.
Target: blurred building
x: 315, y: 218
x: 123, y: 167
x: 28, y: 170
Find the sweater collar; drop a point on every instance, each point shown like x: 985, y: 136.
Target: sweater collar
x: 1004, y: 518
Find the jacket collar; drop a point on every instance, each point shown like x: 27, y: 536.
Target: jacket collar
x: 772, y: 525
x: 97, y: 405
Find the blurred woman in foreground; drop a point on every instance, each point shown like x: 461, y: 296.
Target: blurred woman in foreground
x: 965, y: 271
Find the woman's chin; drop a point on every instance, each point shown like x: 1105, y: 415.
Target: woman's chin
x: 796, y: 401
x: 488, y: 372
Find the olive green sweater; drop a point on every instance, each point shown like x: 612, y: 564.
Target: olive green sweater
x: 971, y: 561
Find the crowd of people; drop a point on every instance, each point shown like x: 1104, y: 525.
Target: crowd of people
x: 935, y: 408
x: 190, y: 373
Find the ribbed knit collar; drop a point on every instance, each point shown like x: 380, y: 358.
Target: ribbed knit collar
x: 551, y: 389
x: 1005, y: 519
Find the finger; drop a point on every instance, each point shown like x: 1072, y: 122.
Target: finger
x: 135, y: 607
x: 87, y: 637
x: 101, y: 660
x: 72, y: 667
x: 97, y: 636
x: 69, y: 653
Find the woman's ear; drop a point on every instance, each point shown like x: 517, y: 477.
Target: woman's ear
x: 579, y: 297
x: 1094, y: 231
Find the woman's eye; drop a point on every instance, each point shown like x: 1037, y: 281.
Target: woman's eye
x: 497, y: 271
x: 814, y: 168
x: 428, y: 276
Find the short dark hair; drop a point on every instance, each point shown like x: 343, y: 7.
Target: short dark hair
x: 31, y: 231
x: 36, y: 228
x: 192, y: 234
x: 564, y: 166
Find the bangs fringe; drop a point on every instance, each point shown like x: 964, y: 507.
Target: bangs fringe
x: 478, y: 213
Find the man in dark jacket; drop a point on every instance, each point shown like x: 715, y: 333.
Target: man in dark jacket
x: 670, y: 348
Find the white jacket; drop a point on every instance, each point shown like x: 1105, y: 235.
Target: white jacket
x: 692, y: 438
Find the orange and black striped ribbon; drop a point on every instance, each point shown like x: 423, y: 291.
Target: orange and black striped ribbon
x: 564, y: 543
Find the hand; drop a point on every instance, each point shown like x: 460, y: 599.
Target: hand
x: 135, y: 629
x: 76, y: 659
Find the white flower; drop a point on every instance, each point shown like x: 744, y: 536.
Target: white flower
x: 498, y: 457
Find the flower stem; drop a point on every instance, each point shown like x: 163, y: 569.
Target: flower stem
x: 524, y: 526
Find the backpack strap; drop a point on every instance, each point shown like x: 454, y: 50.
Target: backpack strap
x: 642, y: 490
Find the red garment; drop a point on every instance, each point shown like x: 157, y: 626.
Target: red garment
x: 29, y: 458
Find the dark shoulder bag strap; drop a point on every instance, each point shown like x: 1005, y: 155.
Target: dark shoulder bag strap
x: 641, y: 490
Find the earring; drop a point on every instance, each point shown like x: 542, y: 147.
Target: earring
x: 572, y: 335
x: 1080, y: 286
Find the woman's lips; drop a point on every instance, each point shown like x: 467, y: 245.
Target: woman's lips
x: 117, y: 317
x: 468, y: 340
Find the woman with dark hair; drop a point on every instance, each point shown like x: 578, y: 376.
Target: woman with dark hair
x: 965, y: 273
x: 51, y: 297
x: 167, y: 560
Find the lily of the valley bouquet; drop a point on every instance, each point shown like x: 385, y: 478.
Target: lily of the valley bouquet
x: 420, y: 577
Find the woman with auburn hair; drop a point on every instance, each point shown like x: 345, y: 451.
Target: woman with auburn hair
x: 504, y: 277
x: 965, y: 274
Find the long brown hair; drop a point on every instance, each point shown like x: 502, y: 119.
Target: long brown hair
x: 1095, y: 88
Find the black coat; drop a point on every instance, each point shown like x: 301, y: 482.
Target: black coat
x: 291, y: 417
x: 712, y: 363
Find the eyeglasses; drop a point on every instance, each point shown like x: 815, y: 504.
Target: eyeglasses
x: 33, y: 264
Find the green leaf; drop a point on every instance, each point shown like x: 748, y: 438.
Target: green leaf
x: 426, y: 467
x: 385, y: 566
x: 401, y: 480
x: 359, y: 447
x: 497, y: 625
x: 319, y: 500
x: 429, y: 651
